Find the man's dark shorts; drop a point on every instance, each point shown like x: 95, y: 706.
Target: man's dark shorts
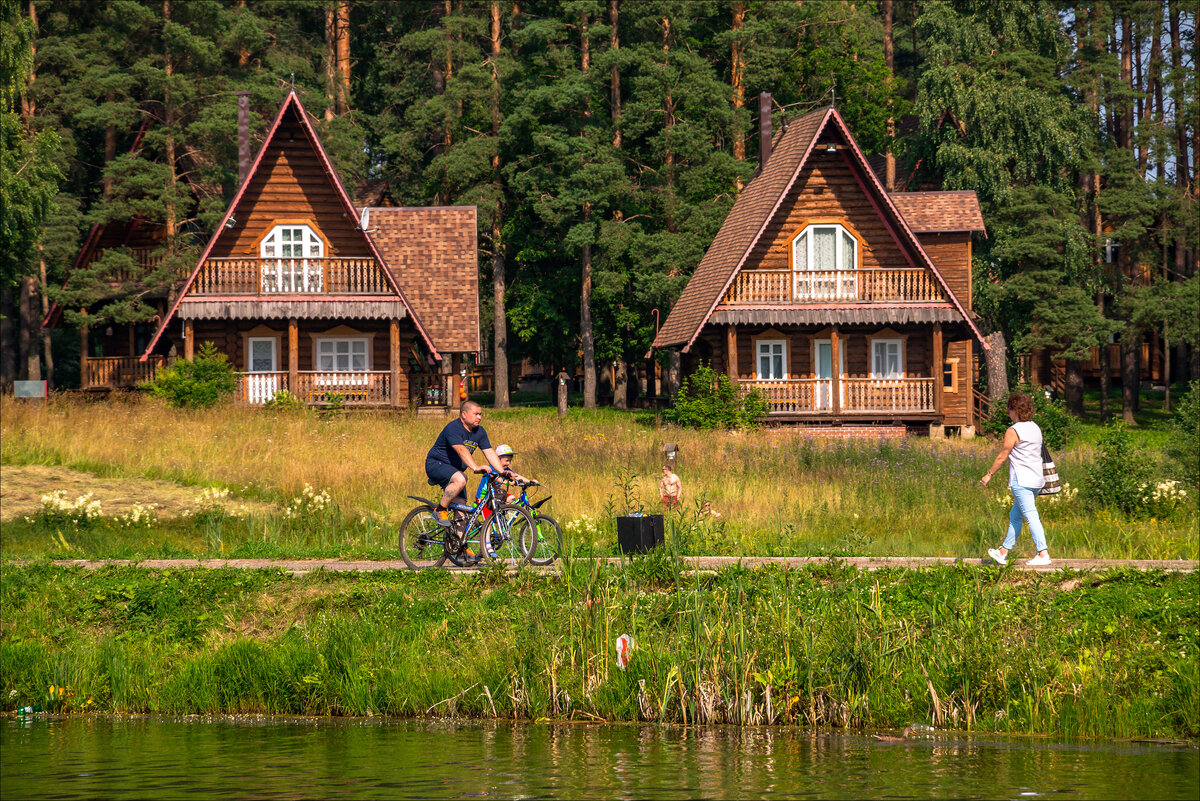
x: 439, y: 473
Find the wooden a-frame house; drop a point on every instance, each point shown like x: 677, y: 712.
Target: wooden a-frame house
x: 303, y: 292
x: 847, y: 306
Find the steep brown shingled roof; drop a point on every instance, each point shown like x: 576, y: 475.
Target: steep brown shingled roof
x: 741, y: 229
x: 940, y: 212
x: 432, y: 253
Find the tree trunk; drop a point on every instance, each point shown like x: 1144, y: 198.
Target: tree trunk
x: 889, y: 58
x: 996, y: 359
x: 330, y: 64
x: 586, y: 333
x: 614, y: 77
x: 343, y: 57
x: 1105, y: 367
x: 1073, y: 387
x: 668, y: 125
x: 500, y: 319
x: 243, y: 57
x: 8, y: 339
x: 172, y: 218
x: 47, y: 351
x: 737, y: 72
x: 621, y: 385
x: 28, y: 104
x: 1179, y: 101
x: 1131, y: 346
x: 30, y: 363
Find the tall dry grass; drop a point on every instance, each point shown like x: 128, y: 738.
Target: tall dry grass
x: 775, y: 492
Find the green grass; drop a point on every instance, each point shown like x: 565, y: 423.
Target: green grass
x: 777, y: 492
x: 1108, y: 654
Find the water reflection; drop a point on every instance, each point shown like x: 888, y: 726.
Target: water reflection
x: 301, y: 758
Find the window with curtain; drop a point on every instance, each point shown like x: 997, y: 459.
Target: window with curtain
x: 823, y: 258
x: 772, y: 360
x: 292, y: 242
x: 887, y: 358
x: 342, y: 355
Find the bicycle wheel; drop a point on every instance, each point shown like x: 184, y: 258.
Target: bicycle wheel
x: 503, y: 533
x: 543, y: 543
x: 469, y: 554
x: 422, y: 539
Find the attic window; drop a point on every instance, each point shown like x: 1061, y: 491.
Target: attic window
x: 292, y: 242
x: 823, y: 260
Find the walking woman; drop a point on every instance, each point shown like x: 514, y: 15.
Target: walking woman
x: 1023, y: 449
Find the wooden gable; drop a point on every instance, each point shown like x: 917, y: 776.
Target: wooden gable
x: 291, y: 186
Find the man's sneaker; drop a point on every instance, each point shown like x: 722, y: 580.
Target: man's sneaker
x: 443, y: 518
x: 999, y: 558
x: 1038, y: 561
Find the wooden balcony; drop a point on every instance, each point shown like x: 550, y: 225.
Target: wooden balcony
x: 318, y: 388
x: 857, y: 396
x: 117, y: 372
x: 833, y: 286
x: 331, y: 276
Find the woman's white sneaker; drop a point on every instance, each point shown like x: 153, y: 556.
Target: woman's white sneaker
x: 1041, y: 560
x: 998, y: 557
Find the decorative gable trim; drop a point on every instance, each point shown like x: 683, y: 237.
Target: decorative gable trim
x: 292, y: 103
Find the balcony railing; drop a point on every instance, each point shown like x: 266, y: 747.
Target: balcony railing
x: 336, y: 276
x: 856, y: 395
x: 119, y: 372
x: 832, y: 286
x: 357, y: 388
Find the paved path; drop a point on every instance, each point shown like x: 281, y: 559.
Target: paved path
x: 707, y: 563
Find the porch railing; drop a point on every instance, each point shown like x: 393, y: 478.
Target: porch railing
x: 338, y: 276
x: 830, y: 286
x: 258, y: 388
x: 856, y: 395
x: 119, y: 372
x: 370, y: 388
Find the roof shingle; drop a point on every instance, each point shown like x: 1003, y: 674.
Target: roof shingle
x: 939, y: 212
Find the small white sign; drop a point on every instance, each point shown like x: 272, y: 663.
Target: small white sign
x: 29, y: 389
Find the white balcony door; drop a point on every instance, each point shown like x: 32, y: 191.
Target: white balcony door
x: 823, y: 367
x: 262, y: 382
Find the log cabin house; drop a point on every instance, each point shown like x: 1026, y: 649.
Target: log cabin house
x: 373, y: 306
x: 847, y: 307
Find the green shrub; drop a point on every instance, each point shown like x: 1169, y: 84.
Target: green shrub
x: 199, y: 383
x: 709, y: 400
x: 1184, y: 447
x: 1120, y: 475
x: 1051, y: 416
x: 284, y: 401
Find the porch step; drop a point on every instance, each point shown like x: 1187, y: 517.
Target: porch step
x: 432, y: 411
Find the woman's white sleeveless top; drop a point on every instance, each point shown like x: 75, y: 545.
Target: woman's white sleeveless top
x: 1025, y: 460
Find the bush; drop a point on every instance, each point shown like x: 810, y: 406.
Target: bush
x: 284, y: 401
x: 1120, y: 475
x: 1051, y: 416
x: 1184, y: 447
x: 199, y: 383
x: 709, y: 400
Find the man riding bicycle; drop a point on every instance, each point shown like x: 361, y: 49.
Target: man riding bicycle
x: 451, y: 455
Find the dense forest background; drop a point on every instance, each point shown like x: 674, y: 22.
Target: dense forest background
x: 605, y: 140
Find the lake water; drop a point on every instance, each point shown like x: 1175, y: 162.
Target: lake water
x: 162, y: 758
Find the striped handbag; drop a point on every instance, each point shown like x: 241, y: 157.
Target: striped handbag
x: 1053, y: 484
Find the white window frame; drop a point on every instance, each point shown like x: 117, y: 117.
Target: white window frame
x: 823, y: 394
x: 901, y: 355
x: 250, y: 341
x: 310, y: 241
x: 759, y: 353
x: 321, y: 343
x: 808, y: 287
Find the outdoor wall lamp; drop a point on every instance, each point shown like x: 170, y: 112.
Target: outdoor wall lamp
x: 230, y: 222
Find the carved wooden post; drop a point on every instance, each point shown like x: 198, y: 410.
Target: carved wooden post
x: 835, y: 372
x: 731, y: 365
x: 189, y: 341
x: 394, y: 356
x: 293, y: 356
x: 562, y: 378
x: 938, y: 363
x: 83, y: 351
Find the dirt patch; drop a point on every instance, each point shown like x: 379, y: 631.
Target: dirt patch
x: 22, y: 488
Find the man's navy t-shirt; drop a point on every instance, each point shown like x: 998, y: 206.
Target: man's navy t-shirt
x: 455, y: 433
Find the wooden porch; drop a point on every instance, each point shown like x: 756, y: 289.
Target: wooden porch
x: 832, y: 286
x: 852, y: 396
x: 277, y: 276
x: 117, y: 372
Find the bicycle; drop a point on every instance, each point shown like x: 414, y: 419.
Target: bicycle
x: 544, y: 543
x: 484, y: 531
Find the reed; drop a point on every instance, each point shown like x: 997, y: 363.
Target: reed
x: 1107, y: 654
x: 776, y: 492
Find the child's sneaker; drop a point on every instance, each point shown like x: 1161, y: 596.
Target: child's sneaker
x: 1041, y: 560
x: 999, y: 558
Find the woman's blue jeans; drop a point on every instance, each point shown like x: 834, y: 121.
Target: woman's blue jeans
x: 1023, y: 509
